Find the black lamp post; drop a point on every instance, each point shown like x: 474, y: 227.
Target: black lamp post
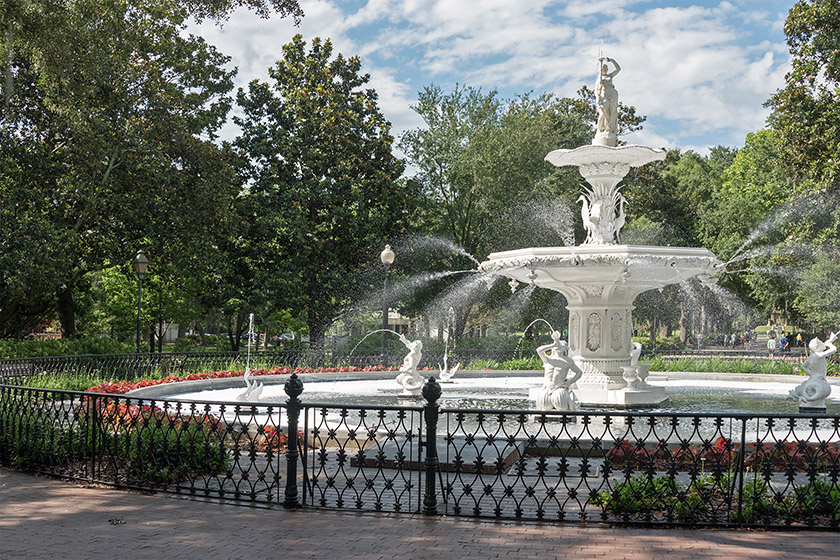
x: 387, y: 258
x: 140, y: 264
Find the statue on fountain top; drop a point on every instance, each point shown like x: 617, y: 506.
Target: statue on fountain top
x: 606, y: 97
x: 813, y: 391
x: 409, y: 379
x: 556, y: 393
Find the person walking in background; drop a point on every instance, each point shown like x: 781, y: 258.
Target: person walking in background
x: 784, y: 343
x: 799, y: 339
x: 772, y: 344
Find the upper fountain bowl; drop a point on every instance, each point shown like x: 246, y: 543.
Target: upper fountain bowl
x: 578, y: 272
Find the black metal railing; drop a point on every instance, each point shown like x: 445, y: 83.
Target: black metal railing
x: 730, y: 470
x: 143, y: 365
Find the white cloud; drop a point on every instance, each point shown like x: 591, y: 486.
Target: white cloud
x: 697, y: 71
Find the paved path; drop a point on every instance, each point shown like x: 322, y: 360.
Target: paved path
x: 46, y: 518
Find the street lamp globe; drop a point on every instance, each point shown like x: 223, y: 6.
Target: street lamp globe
x: 140, y: 263
x: 387, y: 256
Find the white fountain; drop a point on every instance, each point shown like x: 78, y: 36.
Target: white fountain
x: 601, y: 277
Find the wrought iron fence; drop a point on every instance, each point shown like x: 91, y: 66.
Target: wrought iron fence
x: 143, y: 365
x: 733, y: 470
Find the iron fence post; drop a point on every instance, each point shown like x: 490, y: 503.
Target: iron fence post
x: 431, y: 392
x: 740, y: 469
x: 293, y: 388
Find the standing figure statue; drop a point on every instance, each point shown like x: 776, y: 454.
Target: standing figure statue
x: 606, y: 98
x: 813, y: 391
x: 556, y: 393
x: 409, y: 379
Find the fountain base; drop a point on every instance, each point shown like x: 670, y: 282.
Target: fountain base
x: 647, y: 397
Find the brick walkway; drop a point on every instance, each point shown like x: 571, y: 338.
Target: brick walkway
x: 46, y: 518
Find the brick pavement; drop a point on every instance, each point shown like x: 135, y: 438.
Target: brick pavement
x: 45, y: 518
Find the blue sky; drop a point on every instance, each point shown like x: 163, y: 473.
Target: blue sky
x: 700, y: 71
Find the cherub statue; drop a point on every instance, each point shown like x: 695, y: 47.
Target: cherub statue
x: 556, y: 393
x: 813, y: 391
x: 409, y: 379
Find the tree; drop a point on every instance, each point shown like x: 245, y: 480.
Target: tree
x: 322, y: 179
x: 481, y: 164
x: 817, y: 296
x: 115, y: 155
x: 806, y: 112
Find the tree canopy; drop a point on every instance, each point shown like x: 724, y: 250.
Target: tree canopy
x: 322, y: 179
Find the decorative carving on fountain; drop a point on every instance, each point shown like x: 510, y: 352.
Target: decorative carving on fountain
x: 616, y: 332
x: 574, y: 329
x: 603, y: 214
x: 593, y: 332
x: 593, y: 291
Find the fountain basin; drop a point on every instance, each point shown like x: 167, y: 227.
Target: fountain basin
x: 688, y: 393
x: 600, y: 283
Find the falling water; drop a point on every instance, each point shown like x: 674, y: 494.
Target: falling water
x: 772, y: 270
x: 525, y: 332
x: 463, y: 291
x: 729, y: 301
x: 803, y: 207
x: 414, y: 243
x: 367, y: 335
x: 536, y: 223
x: 515, y: 305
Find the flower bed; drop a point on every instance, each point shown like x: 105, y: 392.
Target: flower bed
x: 780, y: 456
x: 122, y: 387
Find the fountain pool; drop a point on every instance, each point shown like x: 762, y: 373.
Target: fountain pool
x: 500, y: 391
x: 687, y: 392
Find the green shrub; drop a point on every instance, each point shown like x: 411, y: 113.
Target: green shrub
x: 32, y: 437
x: 640, y: 494
x: 820, y: 497
x: 159, y: 454
x: 483, y: 364
x: 37, y: 347
x: 186, y: 343
x: 522, y: 364
x: 756, y: 502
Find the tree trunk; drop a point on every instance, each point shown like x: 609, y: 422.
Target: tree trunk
x: 685, y: 324
x: 316, y: 332
x: 8, y: 87
x: 66, y: 312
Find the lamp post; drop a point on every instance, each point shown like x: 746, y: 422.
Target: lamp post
x: 387, y: 258
x: 140, y: 264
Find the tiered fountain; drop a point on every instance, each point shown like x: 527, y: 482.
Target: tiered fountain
x: 601, y: 277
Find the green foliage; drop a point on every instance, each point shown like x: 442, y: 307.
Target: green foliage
x: 819, y: 497
x: 806, y: 111
x: 156, y: 453
x: 722, y: 365
x: 483, y: 364
x: 32, y: 437
x: 531, y: 363
x: 818, y: 297
x: 757, y: 503
x: 36, y: 347
x: 325, y: 187
x: 640, y: 494
x: 109, y: 130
